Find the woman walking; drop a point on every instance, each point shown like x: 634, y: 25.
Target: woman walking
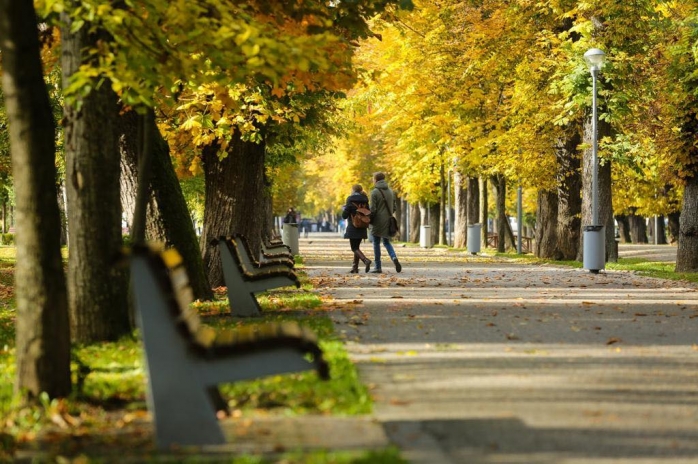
x: 357, y: 199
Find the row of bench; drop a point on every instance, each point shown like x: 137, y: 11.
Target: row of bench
x: 186, y: 360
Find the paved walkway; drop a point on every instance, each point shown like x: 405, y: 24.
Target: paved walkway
x: 477, y: 360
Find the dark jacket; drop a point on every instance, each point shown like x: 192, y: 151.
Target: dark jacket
x: 381, y: 209
x: 349, y: 209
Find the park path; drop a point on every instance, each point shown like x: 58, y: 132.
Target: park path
x: 473, y: 359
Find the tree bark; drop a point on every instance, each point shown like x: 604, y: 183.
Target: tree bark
x: 415, y: 222
x: 687, y: 252
x: 42, y: 324
x: 661, y: 231
x: 624, y: 228
x: 460, y: 233
x: 674, y: 227
x: 569, y: 208
x: 97, y: 289
x: 441, y: 235
x: 546, y: 226
x: 638, y: 228
x: 484, y: 207
x: 168, y: 218
x: 500, y: 186
x: 234, y: 200
x: 62, y: 213
x: 435, y: 218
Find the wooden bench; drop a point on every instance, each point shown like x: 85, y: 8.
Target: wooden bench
x: 276, y: 249
x: 265, y: 260
x: 243, y: 280
x: 186, y: 360
x: 493, y: 240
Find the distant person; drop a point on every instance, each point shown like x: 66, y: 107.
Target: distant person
x: 357, y: 199
x: 290, y: 217
x: 382, y: 203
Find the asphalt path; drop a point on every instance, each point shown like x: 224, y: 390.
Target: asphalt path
x: 475, y: 359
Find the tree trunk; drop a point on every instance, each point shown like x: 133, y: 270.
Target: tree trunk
x: 63, y: 213
x: 569, y: 208
x: 168, y: 218
x: 435, y: 218
x: 398, y: 216
x: 484, y: 207
x: 674, y: 227
x: 500, y: 186
x: 661, y: 231
x: 546, y: 245
x: 441, y: 235
x: 624, y: 228
x: 234, y: 199
x: 605, y: 198
x: 97, y: 289
x: 638, y: 228
x: 460, y: 233
x: 415, y: 222
x: 687, y: 252
x: 42, y: 327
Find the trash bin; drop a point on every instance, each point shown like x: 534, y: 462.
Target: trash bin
x: 473, y: 243
x: 425, y: 237
x: 289, y: 235
x: 594, y: 248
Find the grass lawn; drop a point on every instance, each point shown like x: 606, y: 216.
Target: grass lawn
x: 107, y: 408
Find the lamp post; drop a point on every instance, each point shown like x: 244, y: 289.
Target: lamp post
x: 594, y: 234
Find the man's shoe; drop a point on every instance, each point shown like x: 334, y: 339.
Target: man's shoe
x: 398, y: 266
x: 376, y: 271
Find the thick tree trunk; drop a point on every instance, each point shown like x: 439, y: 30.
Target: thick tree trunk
x: 569, y: 208
x: 168, y: 218
x: 500, y: 186
x: 687, y: 252
x: 234, y: 200
x: 415, y: 222
x: 624, y: 228
x: 97, y: 289
x: 484, y: 208
x: 638, y: 228
x: 460, y: 234
x: 546, y: 245
x: 42, y: 327
x: 605, y: 198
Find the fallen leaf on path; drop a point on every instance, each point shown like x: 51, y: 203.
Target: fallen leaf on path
x: 613, y: 340
x: 397, y: 402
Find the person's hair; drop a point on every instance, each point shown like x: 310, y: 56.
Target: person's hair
x: 378, y: 176
x: 357, y: 188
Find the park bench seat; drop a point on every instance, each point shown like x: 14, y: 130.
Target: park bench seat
x: 275, y: 249
x: 186, y: 360
x: 243, y: 245
x: 243, y: 281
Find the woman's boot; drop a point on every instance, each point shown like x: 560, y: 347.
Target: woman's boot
x: 360, y: 255
x: 355, y: 265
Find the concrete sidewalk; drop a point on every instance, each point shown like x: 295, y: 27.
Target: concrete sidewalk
x: 477, y: 360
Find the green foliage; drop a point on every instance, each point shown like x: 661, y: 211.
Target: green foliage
x: 7, y: 239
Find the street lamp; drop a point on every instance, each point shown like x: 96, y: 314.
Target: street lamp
x: 594, y: 234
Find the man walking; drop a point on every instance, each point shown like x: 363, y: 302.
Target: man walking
x: 382, y: 205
